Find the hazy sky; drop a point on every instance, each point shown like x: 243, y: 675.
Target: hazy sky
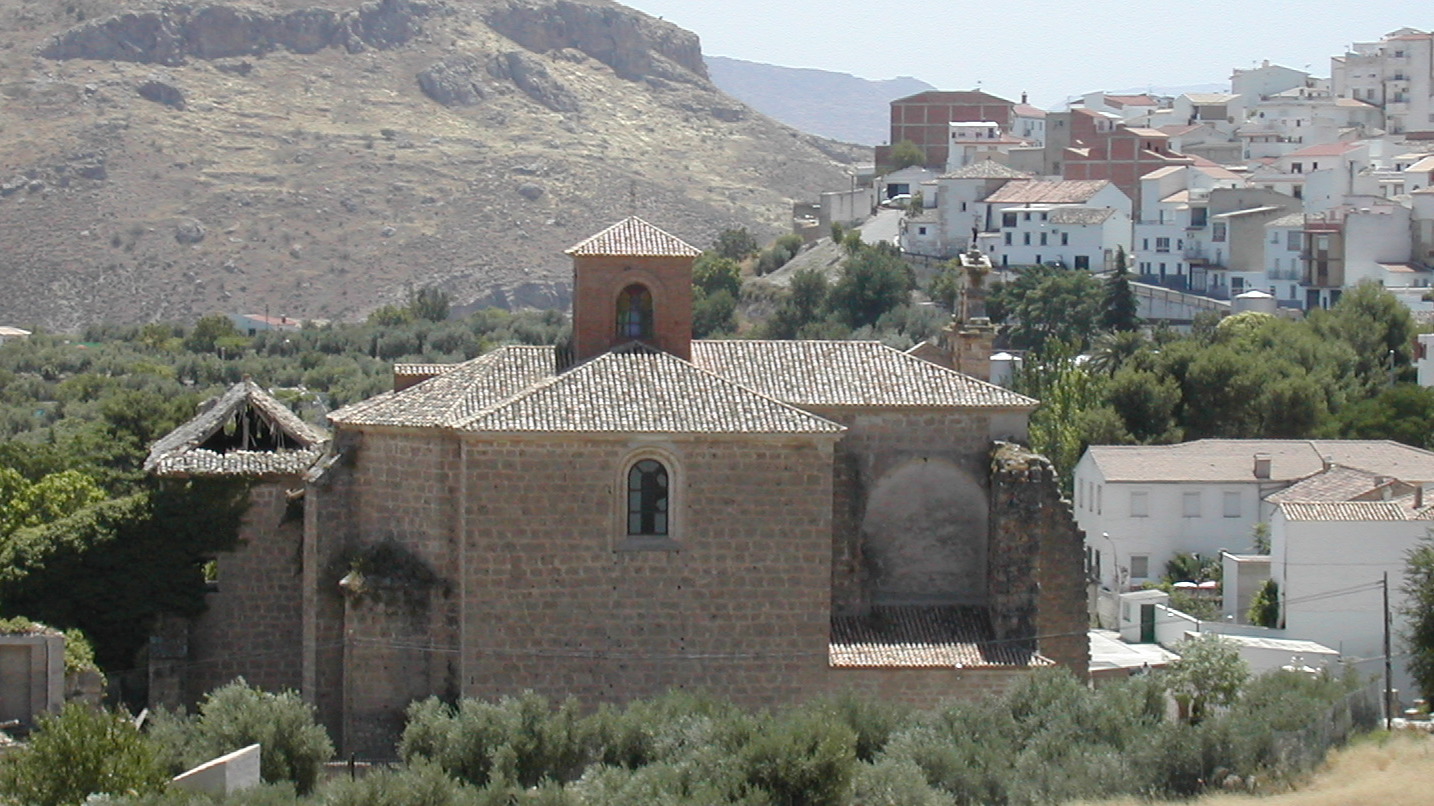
x: 1053, y: 49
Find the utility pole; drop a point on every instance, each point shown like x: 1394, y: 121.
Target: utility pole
x: 1388, y: 664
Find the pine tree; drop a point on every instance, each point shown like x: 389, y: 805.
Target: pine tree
x: 1119, y: 312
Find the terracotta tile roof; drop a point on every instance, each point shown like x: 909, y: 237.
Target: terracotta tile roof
x: 634, y: 237
x: 1080, y: 216
x: 1232, y: 460
x: 1047, y: 191
x: 986, y: 169
x: 1206, y: 98
x: 1131, y: 100
x: 953, y: 97
x: 456, y: 393
x: 1296, y: 220
x: 282, y: 443
x: 422, y: 369
x: 1353, y: 511
x: 1028, y: 111
x: 1336, y: 484
x: 847, y: 373
x: 1425, y: 164
x: 924, y: 637
x: 1324, y: 150
x: 640, y: 390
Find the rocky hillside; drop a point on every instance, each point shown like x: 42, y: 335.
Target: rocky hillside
x: 318, y: 158
x: 836, y: 105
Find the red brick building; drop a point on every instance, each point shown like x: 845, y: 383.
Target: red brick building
x: 922, y: 119
x: 1121, y: 155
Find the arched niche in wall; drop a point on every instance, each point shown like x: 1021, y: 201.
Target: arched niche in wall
x: 925, y: 533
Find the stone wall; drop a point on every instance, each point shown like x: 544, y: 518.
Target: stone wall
x: 391, y: 487
x: 252, y: 626
x: 559, y: 601
x: 911, y: 523
x: 924, y: 688
x: 1037, y: 578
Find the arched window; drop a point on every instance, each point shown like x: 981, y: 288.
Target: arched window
x: 634, y: 313
x: 647, y: 499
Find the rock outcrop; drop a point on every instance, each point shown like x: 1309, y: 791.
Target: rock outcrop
x: 634, y: 45
x: 175, y: 34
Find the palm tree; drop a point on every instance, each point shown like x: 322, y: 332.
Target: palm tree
x: 1112, y: 351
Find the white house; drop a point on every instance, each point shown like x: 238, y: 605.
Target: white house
x: 971, y: 142
x: 1395, y: 74
x: 1330, y: 560
x: 1267, y: 79
x: 8, y: 333
x: 1140, y: 505
x: 1029, y: 123
x: 1073, y: 236
x: 906, y: 181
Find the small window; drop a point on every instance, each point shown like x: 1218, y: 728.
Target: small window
x: 1162, y: 244
x: 1065, y: 239
x: 1008, y: 219
x: 1232, y: 505
x: 1217, y: 231
x: 1008, y: 239
x: 1026, y: 236
x: 1043, y: 239
x: 1139, y: 505
x: 1140, y: 566
x: 1191, y: 505
x: 920, y: 230
x: 647, y: 499
x: 634, y: 313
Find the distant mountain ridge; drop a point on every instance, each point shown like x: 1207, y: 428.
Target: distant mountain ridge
x: 834, y: 105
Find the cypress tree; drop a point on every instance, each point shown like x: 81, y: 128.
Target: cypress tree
x: 1119, y: 310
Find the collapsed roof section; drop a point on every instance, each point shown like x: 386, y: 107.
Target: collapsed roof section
x: 245, y: 432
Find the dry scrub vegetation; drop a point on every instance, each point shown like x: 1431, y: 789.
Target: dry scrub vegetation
x: 1393, y: 770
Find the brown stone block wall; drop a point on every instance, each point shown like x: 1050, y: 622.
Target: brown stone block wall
x: 931, y: 548
x: 253, y: 623
x: 1037, y: 572
x: 924, y: 688
x: 555, y: 603
x: 404, y: 491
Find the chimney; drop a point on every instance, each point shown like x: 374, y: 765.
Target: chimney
x: 1419, y: 496
x: 1262, y: 465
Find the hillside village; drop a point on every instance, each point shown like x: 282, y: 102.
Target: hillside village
x: 1290, y: 184
x: 624, y: 557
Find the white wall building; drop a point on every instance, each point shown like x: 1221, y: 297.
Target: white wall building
x: 1267, y: 79
x: 971, y: 142
x: 1395, y: 74
x: 1030, y: 123
x: 1330, y: 560
x: 1140, y: 505
x: 1071, y: 236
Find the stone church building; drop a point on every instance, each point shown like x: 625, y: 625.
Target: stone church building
x: 635, y: 511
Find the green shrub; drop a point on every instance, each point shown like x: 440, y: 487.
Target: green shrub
x: 521, y: 740
x: 81, y: 751
x: 891, y: 782
x: 873, y: 721
x: 293, y: 747
x: 418, y: 784
x: 803, y: 758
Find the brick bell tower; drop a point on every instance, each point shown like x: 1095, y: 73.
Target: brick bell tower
x: 632, y: 282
